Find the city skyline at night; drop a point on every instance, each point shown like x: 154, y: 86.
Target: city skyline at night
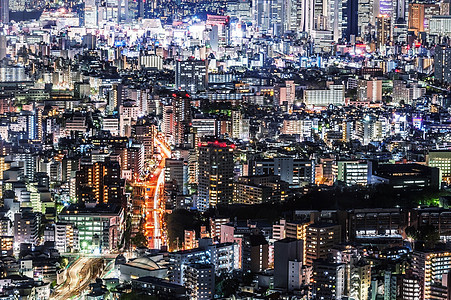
x: 231, y: 149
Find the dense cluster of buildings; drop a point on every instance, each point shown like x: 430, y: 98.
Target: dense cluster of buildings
x: 116, y: 114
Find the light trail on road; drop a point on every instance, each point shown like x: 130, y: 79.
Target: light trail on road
x: 78, y: 277
x: 152, y: 195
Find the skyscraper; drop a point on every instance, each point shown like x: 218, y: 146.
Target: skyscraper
x: 350, y: 19
x: 442, y: 63
x: 2, y: 45
x: 383, y: 32
x: 366, y: 16
x: 4, y: 11
x: 261, y: 11
x: 181, y: 108
x: 306, y: 15
x: 416, y: 17
x: 215, y: 167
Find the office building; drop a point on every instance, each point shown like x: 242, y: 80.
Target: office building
x: 352, y: 172
x: 205, y: 127
x: 174, y: 172
x: 416, y: 17
x: 191, y: 75
x: 296, y: 172
x: 350, y: 19
x: 407, y: 177
x: 240, y: 9
x: 334, y: 95
x: 442, y: 161
x: 100, y: 228
x: 440, y: 25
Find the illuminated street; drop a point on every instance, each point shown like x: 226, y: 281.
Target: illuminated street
x: 153, y: 211
x: 78, y: 277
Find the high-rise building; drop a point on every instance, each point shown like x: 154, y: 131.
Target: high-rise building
x: 442, y: 63
x: 66, y: 237
x: 419, y: 15
x: 191, y: 75
x: 410, y: 287
x: 181, y: 109
x: 215, y: 227
x: 383, y: 31
x: 286, y: 250
x: 416, y: 17
x: 320, y: 237
x: 299, y: 275
x: 359, y: 280
x: 200, y: 281
x: 215, y: 174
x: 430, y: 267
x: 289, y: 15
x: 2, y: 47
x: 17, y: 5
x: 145, y: 134
x: 366, y: 17
x: 328, y: 280
x: 350, y: 19
x: 174, y: 172
x: 135, y: 159
x: 26, y: 226
x: 374, y: 90
x: 261, y: 12
x: 306, y: 10
x: 385, y: 7
x: 440, y: 25
x: 4, y: 11
x: 400, y: 20
x: 285, y: 94
x: 99, y: 182
x: 240, y: 9
x: 190, y: 241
